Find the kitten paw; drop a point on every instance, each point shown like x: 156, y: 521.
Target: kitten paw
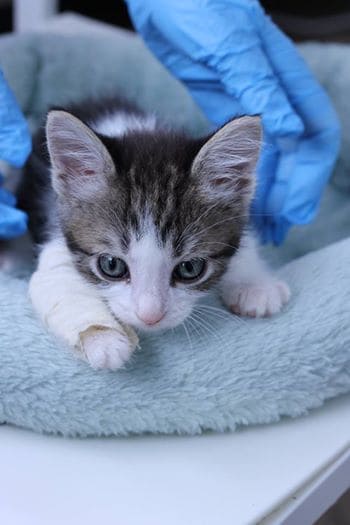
x: 258, y: 300
x: 106, y: 347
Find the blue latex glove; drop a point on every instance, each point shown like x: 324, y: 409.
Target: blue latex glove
x: 234, y: 61
x: 15, y: 146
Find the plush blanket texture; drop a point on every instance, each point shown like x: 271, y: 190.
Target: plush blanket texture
x: 238, y: 372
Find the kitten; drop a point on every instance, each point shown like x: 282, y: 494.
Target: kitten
x: 136, y: 222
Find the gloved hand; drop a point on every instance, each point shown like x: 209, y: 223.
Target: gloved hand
x: 235, y: 61
x: 15, y: 146
x: 13, y: 222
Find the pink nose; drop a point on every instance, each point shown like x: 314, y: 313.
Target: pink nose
x: 151, y: 319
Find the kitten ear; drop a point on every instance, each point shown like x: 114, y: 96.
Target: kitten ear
x: 225, y: 164
x: 80, y: 161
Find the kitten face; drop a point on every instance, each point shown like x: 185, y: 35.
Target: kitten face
x: 152, y: 296
x: 152, y: 218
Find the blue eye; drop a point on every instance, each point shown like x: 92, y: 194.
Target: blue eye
x: 113, y: 267
x: 190, y: 270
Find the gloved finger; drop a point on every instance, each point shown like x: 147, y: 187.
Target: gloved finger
x: 284, y: 176
x: 266, y: 169
x: 299, y: 188
x: 296, y: 194
x: 15, y: 141
x: 300, y: 178
x: 304, y: 91
x: 312, y: 178
x: 7, y: 198
x: 265, y: 234
x: 276, y: 170
x: 277, y: 202
x: 279, y: 231
x: 13, y: 222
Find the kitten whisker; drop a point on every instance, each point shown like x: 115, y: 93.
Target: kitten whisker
x: 205, y: 325
x: 218, y: 312
x: 193, y: 326
x: 187, y: 334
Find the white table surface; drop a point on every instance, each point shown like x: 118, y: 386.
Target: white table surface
x: 226, y: 479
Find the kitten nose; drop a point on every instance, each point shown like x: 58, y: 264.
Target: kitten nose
x: 150, y: 309
x: 151, y: 318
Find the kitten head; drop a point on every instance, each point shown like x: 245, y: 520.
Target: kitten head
x: 152, y: 218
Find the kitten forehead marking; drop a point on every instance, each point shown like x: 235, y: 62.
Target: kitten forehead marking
x: 118, y: 123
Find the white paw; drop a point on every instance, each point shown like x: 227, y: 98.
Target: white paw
x: 106, y: 347
x: 258, y: 300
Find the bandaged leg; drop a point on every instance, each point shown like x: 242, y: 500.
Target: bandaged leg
x: 72, y: 310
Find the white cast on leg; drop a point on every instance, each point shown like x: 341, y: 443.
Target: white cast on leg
x: 72, y: 310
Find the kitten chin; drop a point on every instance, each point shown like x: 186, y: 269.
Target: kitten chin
x: 137, y: 221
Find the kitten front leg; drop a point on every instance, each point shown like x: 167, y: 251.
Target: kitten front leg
x: 72, y: 310
x: 248, y: 287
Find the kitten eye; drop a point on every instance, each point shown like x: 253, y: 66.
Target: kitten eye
x: 113, y: 266
x: 189, y: 270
